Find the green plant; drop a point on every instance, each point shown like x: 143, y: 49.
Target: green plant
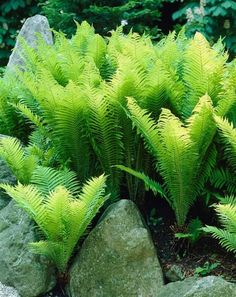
x: 21, y: 163
x: 61, y: 215
x: 142, y: 16
x: 179, y: 151
x: 74, y: 96
x: 213, y: 18
x: 226, y: 211
x: 194, y: 231
x: 206, y: 269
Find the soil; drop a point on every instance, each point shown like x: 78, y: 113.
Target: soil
x: 207, y: 250
x: 187, y: 257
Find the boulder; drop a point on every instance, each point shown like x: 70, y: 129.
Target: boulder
x: 210, y: 286
x: 30, y: 274
x: 6, y: 176
x: 32, y: 28
x: 7, y: 291
x: 118, y: 258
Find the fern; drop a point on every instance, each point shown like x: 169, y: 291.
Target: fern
x: 47, y: 179
x: 224, y: 179
x: 226, y: 212
x: 61, y: 218
x: 179, y: 151
x: 21, y: 164
x: 228, y: 137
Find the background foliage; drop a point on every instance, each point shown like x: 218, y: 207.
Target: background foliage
x: 213, y: 18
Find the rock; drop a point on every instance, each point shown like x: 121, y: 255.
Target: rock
x: 7, y: 291
x: 6, y: 176
x: 30, y: 274
x: 33, y: 26
x: 118, y: 258
x: 210, y: 286
x: 174, y: 273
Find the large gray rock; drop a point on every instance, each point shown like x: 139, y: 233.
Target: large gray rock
x: 118, y: 258
x: 210, y: 286
x: 33, y: 26
x: 28, y: 273
x: 7, y: 291
x: 6, y: 176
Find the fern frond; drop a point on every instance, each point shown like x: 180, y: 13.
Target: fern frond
x: 178, y: 163
x: 201, y: 124
x: 30, y: 199
x: 47, y: 179
x: 223, y: 178
x: 226, y: 239
x: 226, y: 212
x: 149, y: 183
x: 146, y: 126
x: 62, y: 218
x: 15, y: 156
x: 106, y: 136
x: 203, y: 72
x: 228, y: 137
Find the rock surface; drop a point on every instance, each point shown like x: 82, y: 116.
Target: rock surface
x: 118, y: 258
x: 28, y: 273
x: 32, y: 27
x: 210, y: 286
x: 7, y: 291
x: 6, y: 176
x: 174, y: 273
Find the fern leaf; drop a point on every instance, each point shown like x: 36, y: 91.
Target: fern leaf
x: 149, y: 183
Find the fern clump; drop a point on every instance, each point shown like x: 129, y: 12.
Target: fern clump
x: 72, y: 100
x: 61, y: 215
x: 226, y: 211
x: 180, y: 152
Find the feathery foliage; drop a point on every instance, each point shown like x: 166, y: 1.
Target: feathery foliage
x: 226, y: 211
x: 180, y: 151
x: 74, y: 93
x: 61, y: 217
x: 21, y: 163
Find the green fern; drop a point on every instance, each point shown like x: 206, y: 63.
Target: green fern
x: 179, y: 151
x: 226, y: 212
x: 21, y: 164
x: 228, y: 138
x: 62, y: 217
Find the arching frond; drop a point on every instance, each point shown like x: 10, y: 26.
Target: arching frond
x: 228, y: 137
x: 227, y: 216
x: 21, y: 164
x: 62, y: 218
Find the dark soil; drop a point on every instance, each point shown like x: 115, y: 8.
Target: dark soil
x: 187, y: 257
x: 205, y: 250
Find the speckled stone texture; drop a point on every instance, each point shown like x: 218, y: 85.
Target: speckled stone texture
x: 118, y: 258
x: 30, y: 274
x: 7, y: 291
x: 32, y: 28
x: 210, y: 286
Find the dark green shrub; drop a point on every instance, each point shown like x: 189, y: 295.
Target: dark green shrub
x: 105, y: 15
